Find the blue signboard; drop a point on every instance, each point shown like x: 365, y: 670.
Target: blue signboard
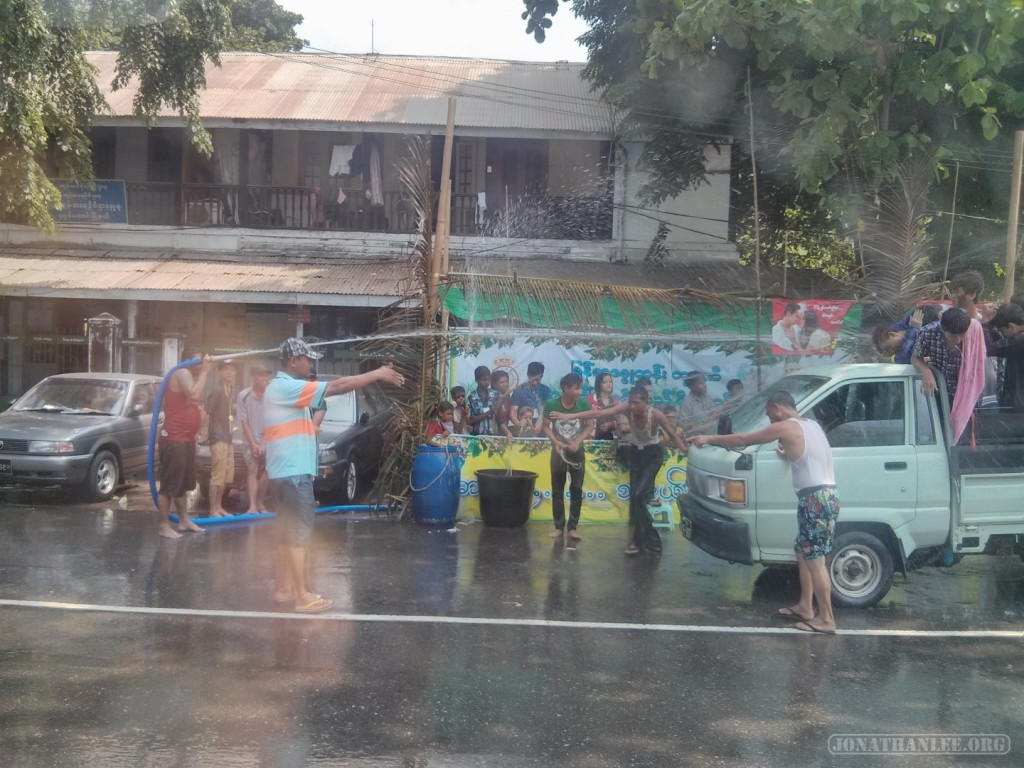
x: 98, y: 202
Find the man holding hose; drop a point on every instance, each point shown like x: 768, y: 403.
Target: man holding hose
x: 291, y: 449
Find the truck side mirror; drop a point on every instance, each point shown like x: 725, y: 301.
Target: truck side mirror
x: 725, y: 424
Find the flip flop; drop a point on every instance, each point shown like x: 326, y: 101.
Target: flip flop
x: 632, y: 550
x: 319, y: 605
x: 804, y: 626
x: 786, y: 613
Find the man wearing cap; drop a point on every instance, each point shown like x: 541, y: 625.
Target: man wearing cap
x: 220, y: 409
x: 182, y: 419
x: 698, y: 405
x: 249, y: 408
x: 530, y: 393
x: 291, y: 449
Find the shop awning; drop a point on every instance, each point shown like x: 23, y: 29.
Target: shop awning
x: 84, y: 273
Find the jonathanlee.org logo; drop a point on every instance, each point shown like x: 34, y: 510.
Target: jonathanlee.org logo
x: 918, y: 744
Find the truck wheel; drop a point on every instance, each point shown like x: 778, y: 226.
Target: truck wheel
x: 861, y: 570
x: 103, y: 478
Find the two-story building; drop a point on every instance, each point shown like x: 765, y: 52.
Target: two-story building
x: 299, y: 214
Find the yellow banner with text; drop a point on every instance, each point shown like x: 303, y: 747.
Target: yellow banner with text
x: 605, y: 485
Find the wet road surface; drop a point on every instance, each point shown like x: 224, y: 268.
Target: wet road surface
x: 483, y: 647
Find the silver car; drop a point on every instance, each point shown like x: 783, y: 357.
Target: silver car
x: 80, y: 430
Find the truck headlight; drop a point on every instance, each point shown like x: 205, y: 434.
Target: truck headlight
x: 328, y: 457
x: 727, y: 489
x: 51, y: 446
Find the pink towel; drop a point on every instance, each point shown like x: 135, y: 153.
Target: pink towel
x: 971, y: 381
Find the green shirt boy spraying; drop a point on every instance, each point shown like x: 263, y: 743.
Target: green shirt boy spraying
x: 567, y: 454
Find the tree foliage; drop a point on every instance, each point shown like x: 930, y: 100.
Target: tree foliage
x: 262, y: 25
x: 847, y: 94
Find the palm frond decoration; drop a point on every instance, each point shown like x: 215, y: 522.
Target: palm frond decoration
x: 404, y: 343
x: 896, y: 241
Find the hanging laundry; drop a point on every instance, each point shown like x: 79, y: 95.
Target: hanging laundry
x: 376, y: 184
x: 481, y: 208
x: 341, y: 158
x: 341, y: 196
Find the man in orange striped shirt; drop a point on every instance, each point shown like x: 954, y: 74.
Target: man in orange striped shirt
x: 290, y: 439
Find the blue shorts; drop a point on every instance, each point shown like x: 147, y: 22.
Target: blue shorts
x: 817, y: 510
x: 295, y: 507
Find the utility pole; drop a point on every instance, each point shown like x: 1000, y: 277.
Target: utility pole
x: 1011, y: 234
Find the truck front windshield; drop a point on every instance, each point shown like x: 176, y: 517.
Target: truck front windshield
x: 751, y: 416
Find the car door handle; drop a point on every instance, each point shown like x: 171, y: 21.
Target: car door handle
x: 894, y: 465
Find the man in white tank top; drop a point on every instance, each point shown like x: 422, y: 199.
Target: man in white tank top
x: 803, y: 443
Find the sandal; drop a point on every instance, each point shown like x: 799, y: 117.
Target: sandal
x: 632, y: 549
x: 319, y: 605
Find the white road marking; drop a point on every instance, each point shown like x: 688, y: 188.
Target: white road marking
x: 370, y: 618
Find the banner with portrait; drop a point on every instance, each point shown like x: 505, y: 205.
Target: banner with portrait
x: 807, y: 327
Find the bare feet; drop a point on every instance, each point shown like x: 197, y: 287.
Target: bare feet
x: 573, y: 535
x: 169, y: 533
x: 555, y: 534
x: 188, y: 525
x: 218, y: 513
x: 795, y: 612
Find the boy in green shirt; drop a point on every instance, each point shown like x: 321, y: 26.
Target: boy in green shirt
x: 567, y: 455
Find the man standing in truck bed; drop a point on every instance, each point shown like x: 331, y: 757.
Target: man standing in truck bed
x: 803, y: 443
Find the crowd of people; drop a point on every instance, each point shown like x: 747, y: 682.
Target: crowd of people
x: 568, y: 418
x: 492, y: 409
x: 976, y: 346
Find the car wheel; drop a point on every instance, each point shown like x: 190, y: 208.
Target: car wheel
x: 349, y: 490
x: 861, y: 570
x: 103, y: 478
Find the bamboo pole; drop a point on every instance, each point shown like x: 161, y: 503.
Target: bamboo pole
x: 1011, y: 234
x: 444, y: 227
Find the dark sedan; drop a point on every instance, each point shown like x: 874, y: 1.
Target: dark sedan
x: 79, y: 430
x: 351, y: 443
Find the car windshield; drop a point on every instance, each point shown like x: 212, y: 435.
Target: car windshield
x: 751, y: 416
x: 341, y: 409
x: 74, y: 395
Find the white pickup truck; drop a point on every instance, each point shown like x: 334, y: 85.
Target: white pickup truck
x: 908, y: 497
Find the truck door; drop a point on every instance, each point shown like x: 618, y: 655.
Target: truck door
x: 875, y: 463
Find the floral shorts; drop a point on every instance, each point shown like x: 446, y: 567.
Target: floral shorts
x: 816, y: 512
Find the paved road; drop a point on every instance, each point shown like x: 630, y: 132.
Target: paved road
x: 482, y: 647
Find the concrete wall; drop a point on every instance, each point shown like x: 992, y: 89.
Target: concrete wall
x: 575, y: 167
x: 698, y: 217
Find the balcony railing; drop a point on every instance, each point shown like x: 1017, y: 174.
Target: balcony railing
x: 267, y: 207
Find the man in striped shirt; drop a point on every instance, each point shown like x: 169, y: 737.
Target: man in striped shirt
x: 291, y: 449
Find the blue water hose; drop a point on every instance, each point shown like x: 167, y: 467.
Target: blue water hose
x: 249, y: 516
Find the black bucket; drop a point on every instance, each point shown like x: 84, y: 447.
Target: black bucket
x: 505, y: 497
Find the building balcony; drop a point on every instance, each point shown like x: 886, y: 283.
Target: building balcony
x: 297, y: 208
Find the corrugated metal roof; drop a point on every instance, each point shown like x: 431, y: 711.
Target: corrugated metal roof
x: 389, y: 90
x: 63, y: 271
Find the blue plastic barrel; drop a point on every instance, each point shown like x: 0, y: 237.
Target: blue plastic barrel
x: 436, y: 472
